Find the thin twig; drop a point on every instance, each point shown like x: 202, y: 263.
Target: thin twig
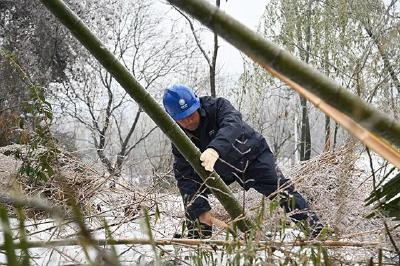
x: 391, y: 239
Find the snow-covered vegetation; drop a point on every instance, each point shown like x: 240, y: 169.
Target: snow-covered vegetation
x: 86, y: 176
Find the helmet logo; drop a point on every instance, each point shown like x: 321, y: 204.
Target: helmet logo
x: 183, y: 103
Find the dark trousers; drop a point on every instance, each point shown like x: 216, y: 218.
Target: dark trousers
x: 262, y: 175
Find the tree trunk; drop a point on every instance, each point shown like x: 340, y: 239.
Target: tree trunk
x: 152, y: 108
x: 335, y: 135
x: 124, y: 145
x: 386, y: 63
x: 296, y: 140
x: 212, y: 74
x: 213, y: 65
x: 327, y: 146
x: 305, y: 143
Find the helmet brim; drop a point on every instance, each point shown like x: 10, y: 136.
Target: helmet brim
x: 187, y: 112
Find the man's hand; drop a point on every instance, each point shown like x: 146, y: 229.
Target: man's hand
x: 206, y: 218
x: 208, y: 158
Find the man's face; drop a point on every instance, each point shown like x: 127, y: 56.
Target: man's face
x: 191, y: 122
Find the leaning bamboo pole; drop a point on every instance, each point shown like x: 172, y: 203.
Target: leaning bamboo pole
x: 376, y: 130
x: 151, y: 107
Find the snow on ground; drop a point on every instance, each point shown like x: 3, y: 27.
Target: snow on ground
x: 335, y: 184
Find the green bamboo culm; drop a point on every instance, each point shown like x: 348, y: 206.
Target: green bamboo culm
x: 9, y: 246
x: 265, y: 52
x: 22, y: 237
x: 110, y: 239
x: 150, y: 106
x: 147, y: 229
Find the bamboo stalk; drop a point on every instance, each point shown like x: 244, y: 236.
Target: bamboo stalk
x: 192, y: 242
x: 150, y: 106
x: 361, y: 119
x: 221, y: 224
x: 368, y: 138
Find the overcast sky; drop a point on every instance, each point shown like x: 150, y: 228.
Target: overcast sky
x: 247, y: 12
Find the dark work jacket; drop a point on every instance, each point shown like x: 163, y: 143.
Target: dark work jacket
x: 221, y: 128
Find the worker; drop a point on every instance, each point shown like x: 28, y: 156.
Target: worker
x: 232, y: 148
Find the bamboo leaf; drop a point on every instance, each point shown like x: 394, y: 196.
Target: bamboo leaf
x: 157, y: 214
x: 327, y: 260
x: 386, y: 198
x: 147, y: 228
x: 114, y: 255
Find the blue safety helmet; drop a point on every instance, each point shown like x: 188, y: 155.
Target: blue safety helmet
x: 180, y: 101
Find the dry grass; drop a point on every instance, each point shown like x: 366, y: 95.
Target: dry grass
x: 72, y: 179
x: 335, y: 184
x: 332, y: 182
x: 10, y: 131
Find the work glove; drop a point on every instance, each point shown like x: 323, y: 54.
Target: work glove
x: 208, y: 158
